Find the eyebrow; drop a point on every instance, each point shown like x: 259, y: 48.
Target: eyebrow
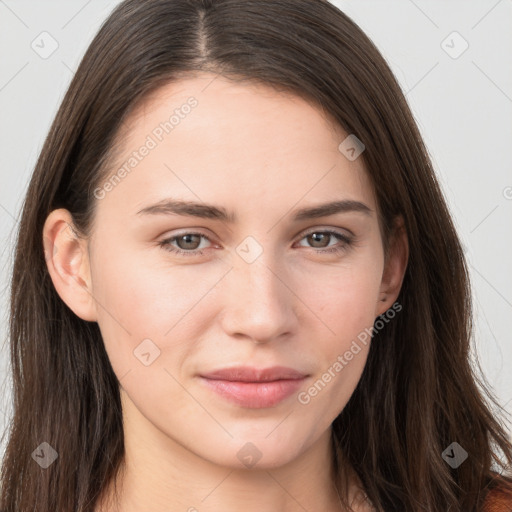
x: 210, y: 211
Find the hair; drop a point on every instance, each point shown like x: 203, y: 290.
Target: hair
x: 419, y: 390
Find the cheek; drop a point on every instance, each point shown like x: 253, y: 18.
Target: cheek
x: 345, y: 299
x: 345, y: 304
x: 140, y: 298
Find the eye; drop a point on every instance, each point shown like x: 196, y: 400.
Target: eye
x: 189, y: 243
x: 322, y: 236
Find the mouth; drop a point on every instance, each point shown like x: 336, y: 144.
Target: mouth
x: 255, y: 388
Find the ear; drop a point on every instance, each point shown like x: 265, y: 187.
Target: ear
x: 395, y: 265
x: 67, y: 260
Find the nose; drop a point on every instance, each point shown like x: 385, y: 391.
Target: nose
x: 259, y: 305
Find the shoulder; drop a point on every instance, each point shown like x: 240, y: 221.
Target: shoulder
x: 498, y: 499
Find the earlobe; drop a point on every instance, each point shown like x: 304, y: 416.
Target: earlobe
x: 68, y: 263
x: 395, y: 266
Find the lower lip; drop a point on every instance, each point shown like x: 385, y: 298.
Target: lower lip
x: 256, y: 395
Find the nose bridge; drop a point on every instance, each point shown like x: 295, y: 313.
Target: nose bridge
x: 260, y: 304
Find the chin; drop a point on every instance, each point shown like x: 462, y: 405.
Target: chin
x: 254, y: 453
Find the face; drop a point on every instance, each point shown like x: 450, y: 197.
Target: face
x: 240, y: 280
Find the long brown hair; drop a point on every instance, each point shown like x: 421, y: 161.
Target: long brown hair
x: 419, y: 391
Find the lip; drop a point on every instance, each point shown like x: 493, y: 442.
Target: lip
x: 255, y: 388
x: 251, y: 374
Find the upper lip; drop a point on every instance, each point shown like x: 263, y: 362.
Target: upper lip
x: 251, y: 374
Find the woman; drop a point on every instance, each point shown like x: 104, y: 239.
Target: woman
x: 310, y: 349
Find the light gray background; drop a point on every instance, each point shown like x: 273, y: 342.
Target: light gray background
x: 463, y: 107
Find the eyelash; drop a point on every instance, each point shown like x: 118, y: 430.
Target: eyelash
x: 347, y: 242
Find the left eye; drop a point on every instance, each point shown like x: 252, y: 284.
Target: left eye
x: 188, y: 242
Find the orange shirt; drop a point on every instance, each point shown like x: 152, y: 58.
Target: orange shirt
x: 498, y: 499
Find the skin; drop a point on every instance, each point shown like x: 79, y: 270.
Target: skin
x: 261, y: 154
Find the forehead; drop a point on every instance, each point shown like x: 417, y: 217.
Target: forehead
x: 208, y: 138
x: 246, y: 107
